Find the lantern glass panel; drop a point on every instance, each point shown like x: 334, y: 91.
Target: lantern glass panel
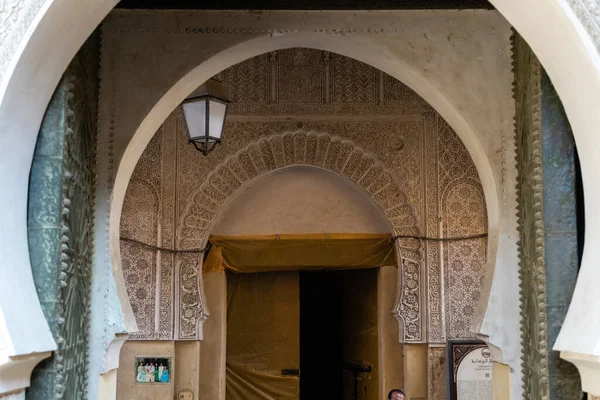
x: 195, y: 118
x: 217, y: 118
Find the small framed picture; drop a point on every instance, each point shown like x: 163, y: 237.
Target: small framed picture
x: 153, y: 370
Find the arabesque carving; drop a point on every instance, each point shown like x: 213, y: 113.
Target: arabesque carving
x: 380, y: 136
x: 321, y: 150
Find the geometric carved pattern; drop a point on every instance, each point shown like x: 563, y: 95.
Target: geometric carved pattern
x: 304, y: 148
x: 77, y: 236
x: 295, y: 148
x: 353, y: 82
x: 298, y: 74
x: 61, y: 218
x: 465, y: 258
x: 463, y: 212
x: 531, y: 222
x: 248, y: 82
x: 139, y: 263
x: 140, y: 221
x: 433, y: 250
x: 166, y: 264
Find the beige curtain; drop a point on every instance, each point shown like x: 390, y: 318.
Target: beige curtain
x: 263, y: 325
x: 299, y: 252
x: 263, y: 309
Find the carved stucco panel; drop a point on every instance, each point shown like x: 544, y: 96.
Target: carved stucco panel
x: 139, y: 263
x: 167, y: 231
x: 463, y: 214
x: 140, y: 221
x: 192, y: 232
x: 16, y: 17
x: 436, y: 331
x: 386, y: 140
x: 464, y: 210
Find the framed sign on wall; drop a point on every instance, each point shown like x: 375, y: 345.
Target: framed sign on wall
x: 469, y: 370
x: 150, y: 370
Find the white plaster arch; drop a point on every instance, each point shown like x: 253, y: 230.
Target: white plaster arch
x: 337, y: 44
x: 363, y: 49
x: 550, y: 27
x: 42, y: 50
x: 571, y: 59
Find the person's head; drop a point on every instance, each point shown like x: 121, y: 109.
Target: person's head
x: 396, y: 394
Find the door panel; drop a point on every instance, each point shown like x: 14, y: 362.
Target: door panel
x: 263, y: 325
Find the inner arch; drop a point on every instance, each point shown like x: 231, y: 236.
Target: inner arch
x: 355, y: 49
x: 300, y: 199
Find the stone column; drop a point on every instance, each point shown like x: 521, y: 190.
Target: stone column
x: 391, y: 355
x: 211, y: 381
x: 501, y: 381
x: 187, y: 359
x: 415, y: 371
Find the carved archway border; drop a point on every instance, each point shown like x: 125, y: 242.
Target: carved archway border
x: 321, y: 150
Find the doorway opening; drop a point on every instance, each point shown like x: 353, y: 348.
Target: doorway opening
x: 302, y: 335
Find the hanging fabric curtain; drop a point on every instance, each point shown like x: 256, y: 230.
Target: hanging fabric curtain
x: 270, y: 253
x: 263, y: 336
x: 263, y: 310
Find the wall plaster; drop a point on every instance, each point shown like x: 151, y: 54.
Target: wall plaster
x: 128, y: 43
x: 553, y: 30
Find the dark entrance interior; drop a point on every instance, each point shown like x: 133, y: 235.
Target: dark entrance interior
x: 303, y: 335
x: 338, y: 334
x: 321, y: 335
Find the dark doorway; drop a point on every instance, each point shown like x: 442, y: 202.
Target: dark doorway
x: 321, y: 326
x: 338, y: 335
x: 321, y: 335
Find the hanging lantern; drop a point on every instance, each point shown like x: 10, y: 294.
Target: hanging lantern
x: 204, y: 113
